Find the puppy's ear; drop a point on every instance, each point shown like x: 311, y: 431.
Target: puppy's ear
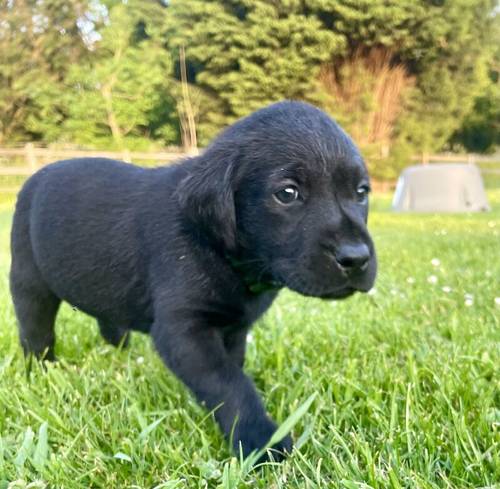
x: 206, y: 197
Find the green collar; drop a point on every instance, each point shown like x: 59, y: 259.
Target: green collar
x: 253, y: 285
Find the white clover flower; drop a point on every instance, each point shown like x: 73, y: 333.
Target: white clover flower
x: 372, y: 291
x: 469, y: 302
x: 432, y: 279
x: 410, y: 280
x: 436, y: 262
x: 140, y: 360
x: 446, y: 289
x: 249, y: 338
x: 497, y: 301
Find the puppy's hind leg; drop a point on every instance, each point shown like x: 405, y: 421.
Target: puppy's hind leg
x: 115, y: 335
x: 36, y: 308
x: 35, y: 304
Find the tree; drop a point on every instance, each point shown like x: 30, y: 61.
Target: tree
x: 38, y: 42
x: 400, y: 75
x: 244, y: 54
x: 410, y: 75
x: 122, y: 92
x: 480, y: 130
x: 451, y: 72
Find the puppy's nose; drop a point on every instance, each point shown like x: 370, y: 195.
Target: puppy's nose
x: 352, y: 257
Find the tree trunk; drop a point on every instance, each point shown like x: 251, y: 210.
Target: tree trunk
x: 116, y: 130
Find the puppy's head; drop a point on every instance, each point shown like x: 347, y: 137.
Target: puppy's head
x: 285, y: 193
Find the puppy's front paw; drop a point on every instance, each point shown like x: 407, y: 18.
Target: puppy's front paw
x: 255, y: 435
x: 278, y: 451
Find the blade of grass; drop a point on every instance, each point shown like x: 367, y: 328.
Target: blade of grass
x: 41, y: 452
x: 280, y: 433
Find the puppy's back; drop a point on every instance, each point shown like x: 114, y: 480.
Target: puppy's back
x: 77, y: 217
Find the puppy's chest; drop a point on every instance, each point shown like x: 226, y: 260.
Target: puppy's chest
x: 238, y: 314
x: 255, y: 306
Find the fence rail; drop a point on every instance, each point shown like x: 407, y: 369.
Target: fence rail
x: 36, y: 157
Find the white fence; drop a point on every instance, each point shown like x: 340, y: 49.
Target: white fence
x: 33, y: 157
x: 24, y: 160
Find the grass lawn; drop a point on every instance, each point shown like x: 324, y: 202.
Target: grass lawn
x: 407, y: 382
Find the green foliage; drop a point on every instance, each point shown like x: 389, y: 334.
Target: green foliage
x: 450, y: 72
x: 368, y: 23
x: 402, y: 76
x: 480, y: 130
x: 246, y: 54
x: 123, y: 91
x: 85, y: 72
x: 444, y: 48
x: 405, y: 381
x: 38, y: 43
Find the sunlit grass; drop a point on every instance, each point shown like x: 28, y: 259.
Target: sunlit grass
x: 406, y: 382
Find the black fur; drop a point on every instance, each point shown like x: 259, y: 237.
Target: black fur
x: 194, y: 253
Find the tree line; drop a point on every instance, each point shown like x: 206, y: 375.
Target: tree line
x: 402, y: 76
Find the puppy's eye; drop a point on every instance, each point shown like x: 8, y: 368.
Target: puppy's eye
x: 287, y: 195
x: 362, y: 194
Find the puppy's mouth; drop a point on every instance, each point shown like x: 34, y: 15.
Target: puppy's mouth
x: 326, y: 293
x: 324, y: 284
x: 312, y: 290
x: 339, y: 294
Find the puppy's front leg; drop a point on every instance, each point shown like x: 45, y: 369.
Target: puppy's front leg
x: 235, y: 342
x: 196, y: 354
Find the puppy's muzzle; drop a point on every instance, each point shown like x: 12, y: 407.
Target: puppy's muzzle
x: 352, y: 259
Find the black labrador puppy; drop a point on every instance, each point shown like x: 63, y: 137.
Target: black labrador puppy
x: 194, y: 253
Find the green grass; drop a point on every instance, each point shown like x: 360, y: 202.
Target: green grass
x: 406, y: 380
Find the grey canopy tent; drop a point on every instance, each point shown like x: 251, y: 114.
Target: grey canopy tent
x: 440, y: 187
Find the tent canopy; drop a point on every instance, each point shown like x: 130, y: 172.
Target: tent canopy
x: 440, y: 187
